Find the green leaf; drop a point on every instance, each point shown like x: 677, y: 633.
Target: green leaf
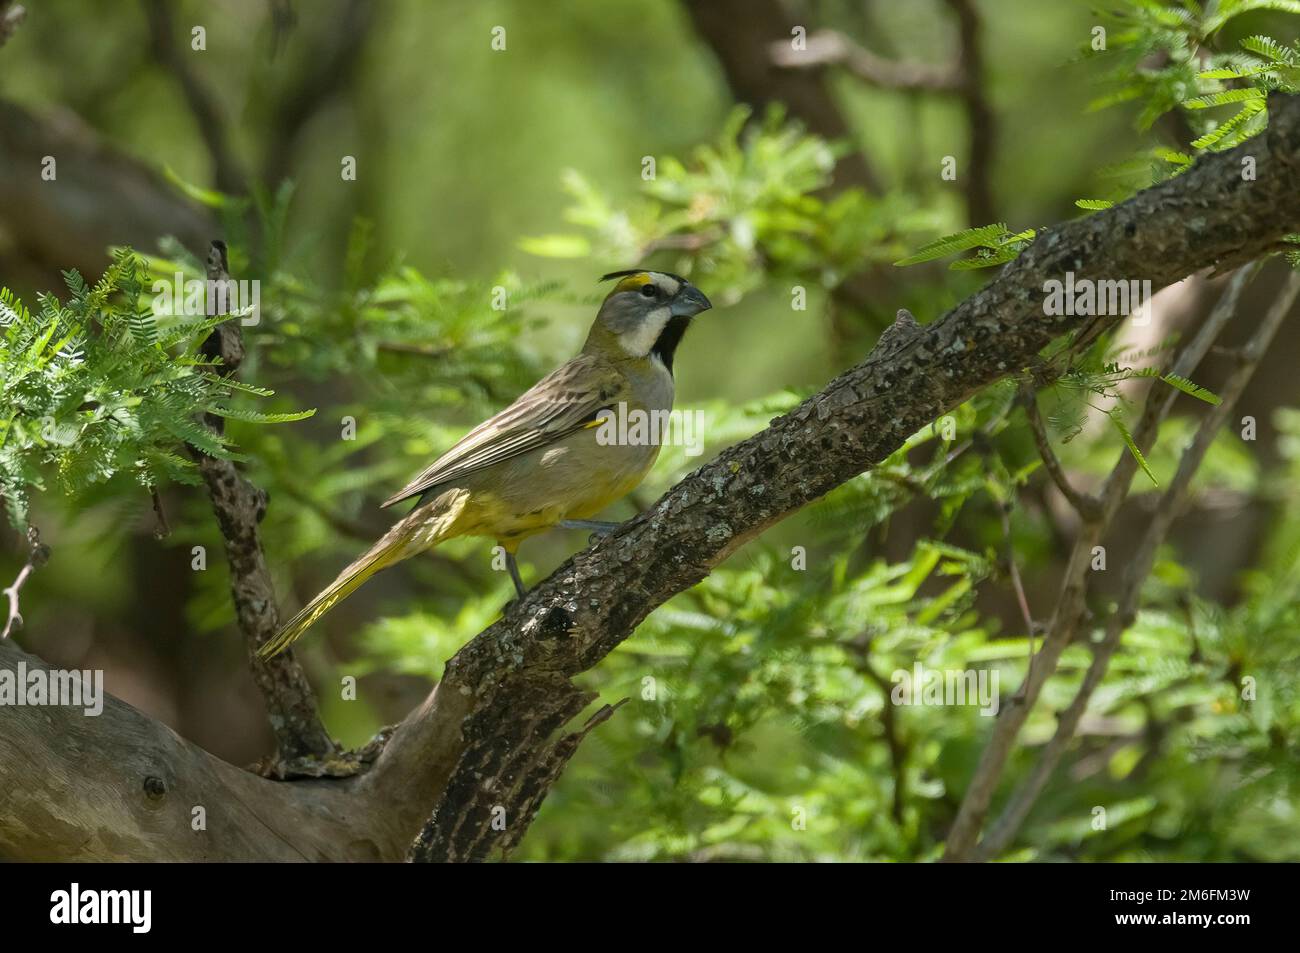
x: 208, y: 197
x: 1127, y: 94
x: 257, y: 417
x: 1132, y: 447
x: 986, y: 236
x: 1218, y: 133
x: 1095, y: 205
x: 986, y: 259
x: 1187, y: 387
x: 1228, y: 10
x: 1271, y: 50
x: 1225, y: 97
x: 1173, y: 155
x: 236, y: 385
x: 1234, y: 72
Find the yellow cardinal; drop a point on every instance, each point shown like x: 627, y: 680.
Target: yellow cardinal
x: 539, y: 463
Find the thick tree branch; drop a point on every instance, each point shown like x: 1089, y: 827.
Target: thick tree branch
x: 486, y: 738
x: 76, y: 787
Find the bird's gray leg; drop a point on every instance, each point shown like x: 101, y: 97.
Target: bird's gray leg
x: 599, y: 527
x: 514, y: 575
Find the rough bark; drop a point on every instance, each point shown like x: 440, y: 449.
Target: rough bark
x: 485, y: 738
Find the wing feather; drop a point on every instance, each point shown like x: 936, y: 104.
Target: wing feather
x: 564, y: 401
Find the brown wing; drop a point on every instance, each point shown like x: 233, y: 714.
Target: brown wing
x: 563, y: 401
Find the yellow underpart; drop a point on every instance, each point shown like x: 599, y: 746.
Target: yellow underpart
x: 488, y: 516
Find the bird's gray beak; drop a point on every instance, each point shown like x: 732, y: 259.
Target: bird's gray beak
x: 689, y: 301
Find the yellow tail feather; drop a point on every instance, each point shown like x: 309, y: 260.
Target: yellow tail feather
x: 348, y: 581
x: 421, y: 529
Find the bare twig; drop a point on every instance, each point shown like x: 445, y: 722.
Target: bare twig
x: 38, y: 555
x: 832, y: 48
x: 888, y: 724
x: 1171, y: 504
x: 1004, y: 510
x: 162, y: 529
x: 1088, y: 507
x: 965, y: 79
x: 239, y: 507
x: 1071, y: 610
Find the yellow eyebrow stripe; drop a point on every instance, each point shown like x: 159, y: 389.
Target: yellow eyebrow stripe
x: 634, y: 282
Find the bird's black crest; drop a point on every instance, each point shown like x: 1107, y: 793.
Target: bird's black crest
x: 637, y: 271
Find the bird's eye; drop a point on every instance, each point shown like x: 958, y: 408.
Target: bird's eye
x: 649, y: 291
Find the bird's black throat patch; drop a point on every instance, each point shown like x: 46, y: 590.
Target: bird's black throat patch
x: 666, y: 344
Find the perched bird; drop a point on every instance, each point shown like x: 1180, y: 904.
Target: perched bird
x: 538, y: 463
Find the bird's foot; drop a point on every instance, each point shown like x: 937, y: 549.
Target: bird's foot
x: 520, y: 588
x: 599, y: 528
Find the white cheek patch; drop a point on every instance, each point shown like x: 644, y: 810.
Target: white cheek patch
x: 638, y: 341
